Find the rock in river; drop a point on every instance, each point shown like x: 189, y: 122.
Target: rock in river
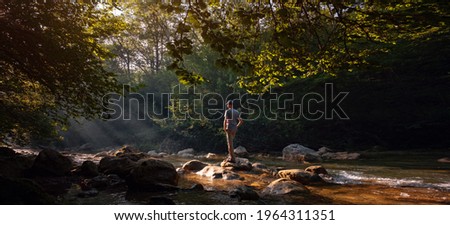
x: 301, y: 176
x: 211, y: 156
x: 115, y: 165
x: 193, y: 166
x: 187, y: 153
x: 324, y: 150
x: 239, y: 164
x: 51, y: 163
x: 296, y: 175
x: 300, y: 153
x: 284, y: 186
x: 218, y: 172
x: 153, y: 175
x: 89, y: 169
x: 316, y: 170
x: 241, y: 152
x: 125, y: 150
x: 259, y: 167
x: 213, y: 172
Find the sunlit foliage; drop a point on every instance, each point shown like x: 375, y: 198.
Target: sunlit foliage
x: 51, y: 65
x: 271, y: 42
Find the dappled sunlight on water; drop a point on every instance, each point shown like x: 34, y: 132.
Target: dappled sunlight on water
x: 421, y: 181
x: 379, y: 194
x: 257, y: 181
x: 330, y: 194
x: 353, y: 183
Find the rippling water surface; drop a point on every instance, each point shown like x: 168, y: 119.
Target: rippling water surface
x: 378, y: 178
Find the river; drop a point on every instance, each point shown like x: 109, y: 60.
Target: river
x: 377, y: 178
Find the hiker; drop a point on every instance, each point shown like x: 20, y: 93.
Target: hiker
x: 232, y: 120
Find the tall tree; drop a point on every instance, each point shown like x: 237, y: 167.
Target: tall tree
x: 51, y: 64
x: 140, y: 49
x: 271, y: 42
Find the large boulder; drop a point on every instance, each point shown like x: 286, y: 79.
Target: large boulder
x: 51, y: 163
x: 296, y: 175
x: 300, y: 153
x: 193, y: 166
x: 187, y: 153
x: 239, y: 164
x: 89, y: 169
x: 284, y: 186
x: 116, y: 165
x: 153, y: 175
x: 241, y: 152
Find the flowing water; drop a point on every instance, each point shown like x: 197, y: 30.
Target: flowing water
x: 386, y: 178
x: 377, y: 178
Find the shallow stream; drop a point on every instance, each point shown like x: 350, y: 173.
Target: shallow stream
x: 377, y: 178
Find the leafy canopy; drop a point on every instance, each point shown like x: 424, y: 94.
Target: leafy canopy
x: 271, y: 42
x: 51, y: 65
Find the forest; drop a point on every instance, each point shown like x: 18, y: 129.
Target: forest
x: 60, y: 62
x: 123, y: 102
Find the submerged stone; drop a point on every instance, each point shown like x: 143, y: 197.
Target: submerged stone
x: 284, y: 186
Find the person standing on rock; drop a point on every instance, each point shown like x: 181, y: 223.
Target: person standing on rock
x: 232, y: 120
